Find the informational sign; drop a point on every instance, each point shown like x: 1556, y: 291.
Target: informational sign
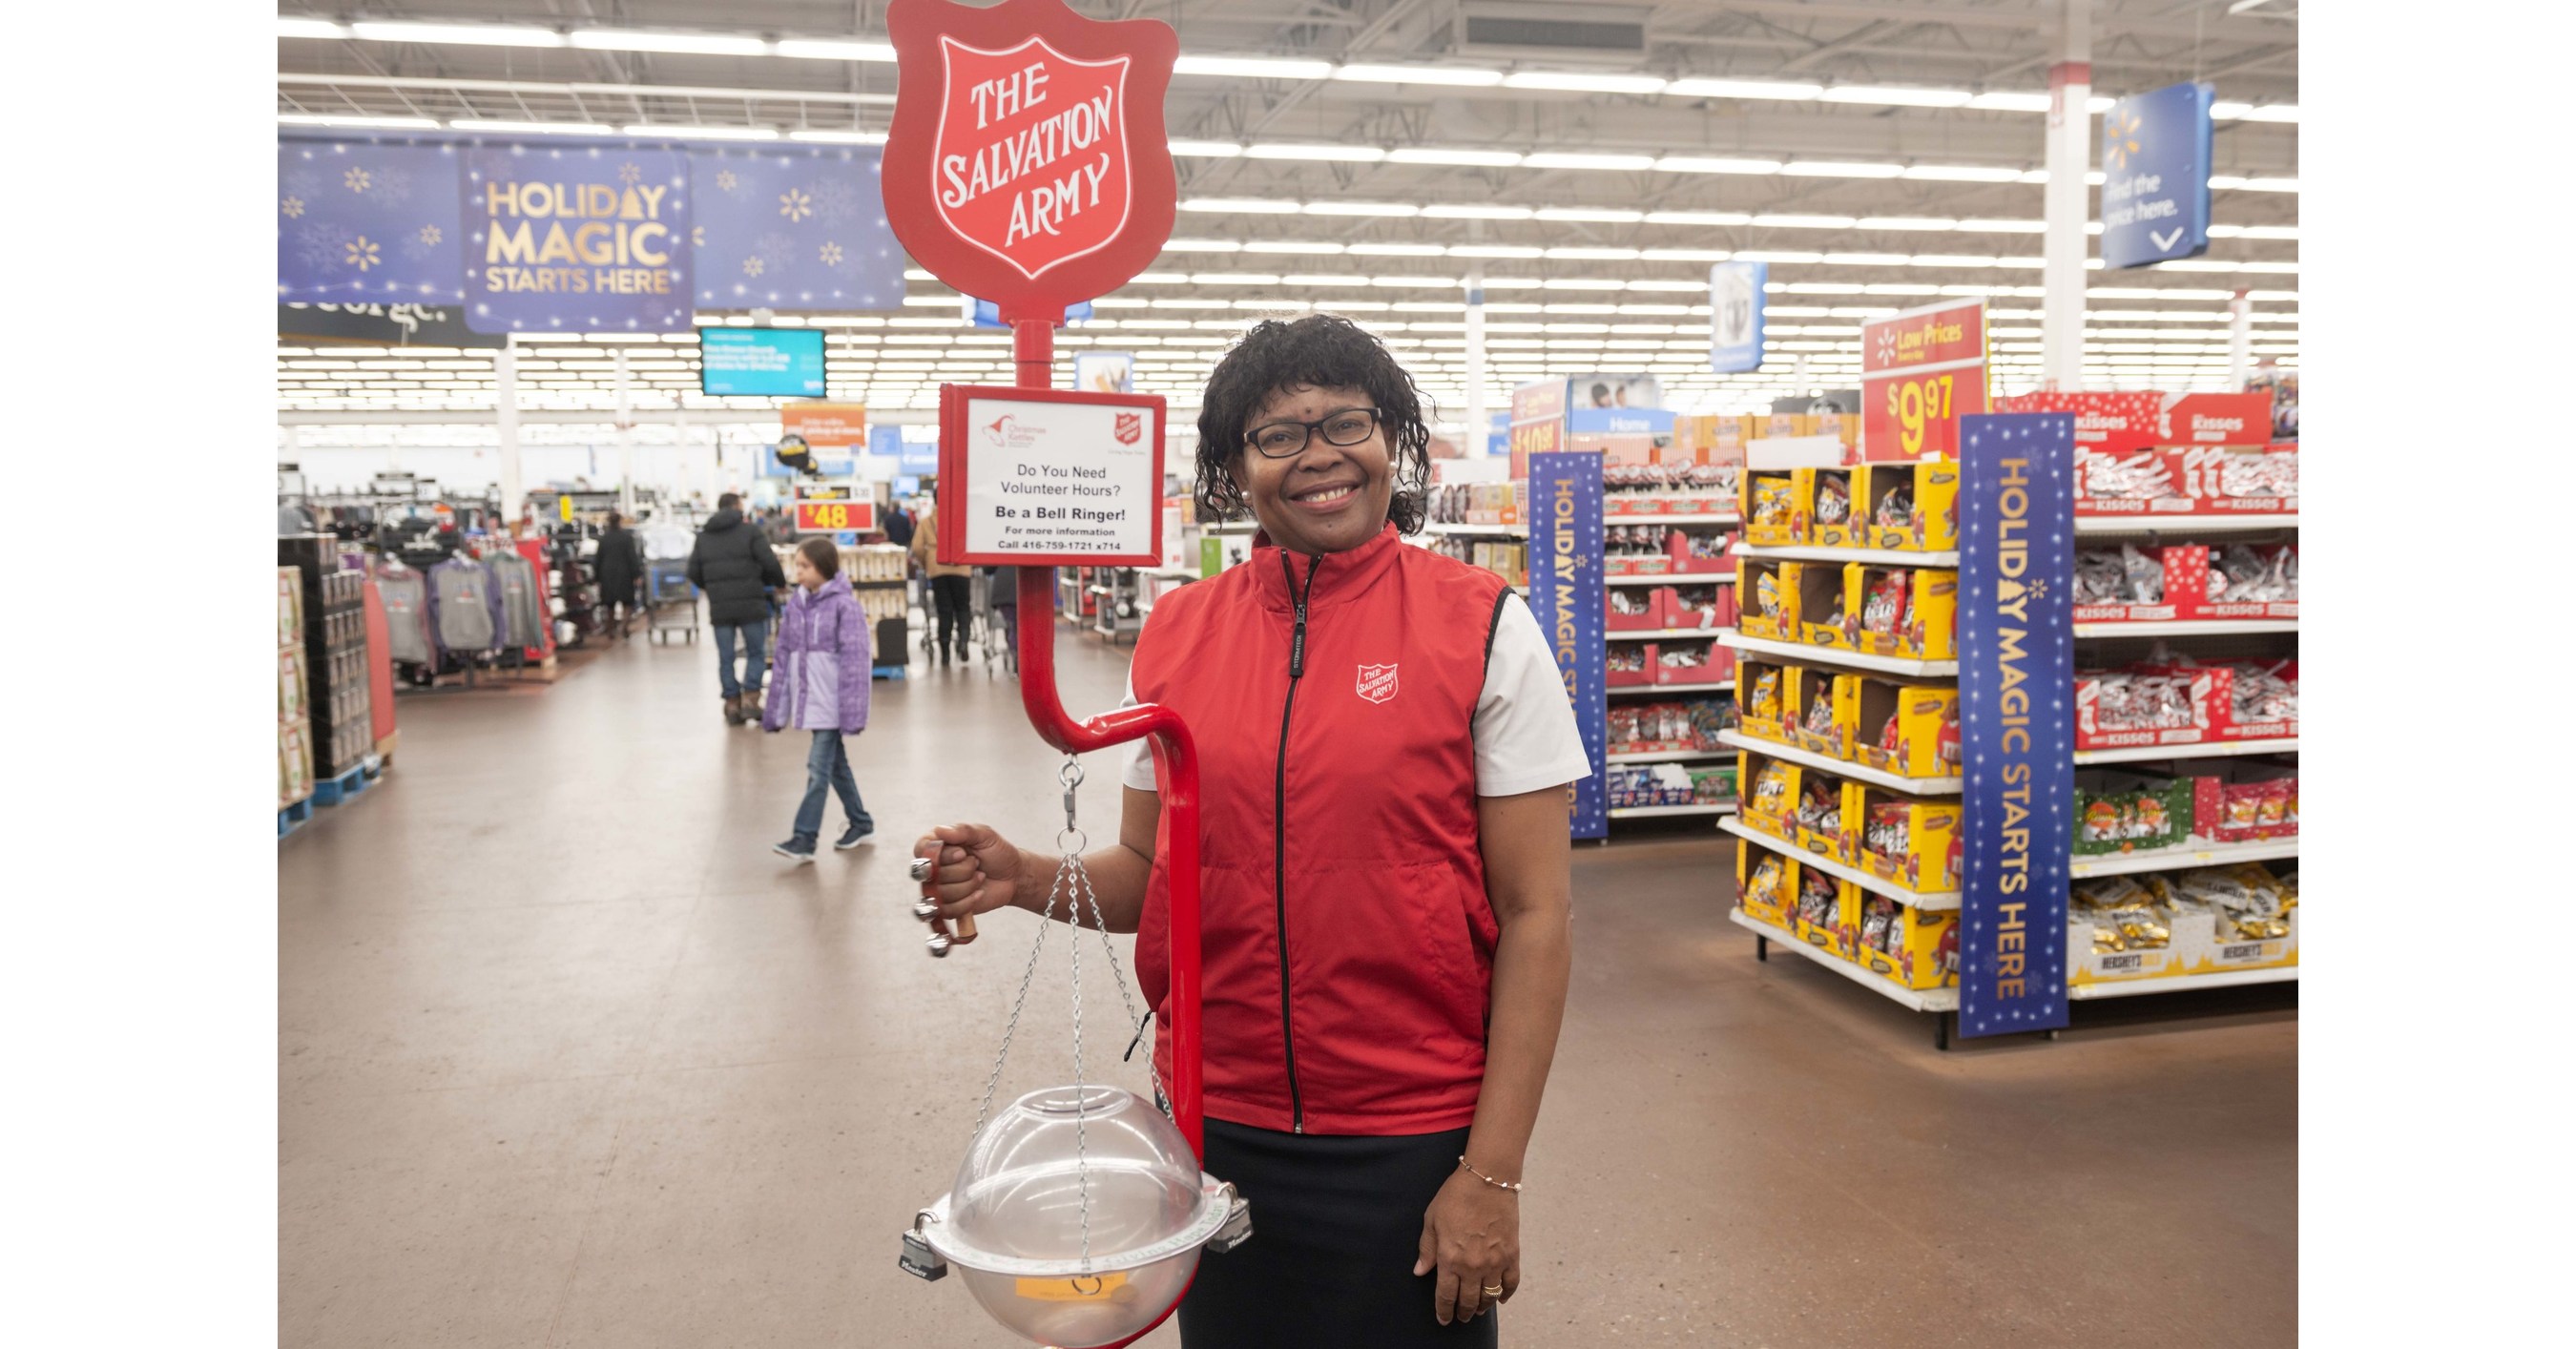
x: 1566, y: 594
x: 2155, y: 176
x: 1604, y: 392
x: 1049, y: 477
x: 1028, y: 160
x: 1538, y: 422
x: 577, y: 238
x: 833, y: 508
x: 363, y: 219
x: 986, y: 314
x: 794, y: 227
x: 830, y: 424
x: 761, y: 363
x: 1735, y: 302
x: 2017, y: 735
x: 1920, y: 372
x: 1105, y: 371
x: 390, y: 325
x: 2121, y: 423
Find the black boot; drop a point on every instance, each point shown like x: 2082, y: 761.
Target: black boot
x: 733, y: 711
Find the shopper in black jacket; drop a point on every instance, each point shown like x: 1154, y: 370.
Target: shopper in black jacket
x: 620, y: 570
x: 733, y: 563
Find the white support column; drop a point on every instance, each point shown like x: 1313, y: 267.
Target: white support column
x: 625, y: 440
x: 2240, y: 341
x: 2070, y: 158
x: 505, y: 409
x: 1473, y: 444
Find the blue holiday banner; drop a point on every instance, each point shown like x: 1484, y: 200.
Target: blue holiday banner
x: 2017, y: 731
x: 2155, y: 176
x: 794, y: 228
x: 1735, y: 304
x: 1565, y: 538
x: 362, y: 218
x: 589, y: 238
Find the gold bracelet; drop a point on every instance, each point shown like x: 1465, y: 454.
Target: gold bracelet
x: 1513, y: 1186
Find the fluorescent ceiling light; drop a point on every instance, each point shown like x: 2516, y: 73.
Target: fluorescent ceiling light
x: 1253, y: 67
x: 1570, y: 159
x: 1907, y: 222
x: 1353, y: 154
x: 1962, y: 173
x: 1425, y: 154
x: 1707, y: 164
x: 2276, y: 112
x: 831, y: 49
x: 693, y: 44
x: 1587, y: 254
x: 1949, y: 260
x: 530, y: 128
x: 1591, y: 214
x: 459, y: 34
x: 1202, y: 246
x: 1720, y: 218
x: 1400, y: 250
x: 1206, y: 149
x: 1901, y: 97
x: 1866, y: 259
x: 1582, y: 82
x: 2004, y: 226
x: 1834, y: 168
x: 1696, y: 87
x: 340, y: 119
x: 1493, y: 251
x: 2010, y: 101
x: 1805, y: 222
x: 1242, y: 205
x: 712, y: 133
x: 1778, y: 255
x: 1686, y: 255
x: 1459, y: 75
x: 839, y: 137
x: 313, y: 28
x: 1288, y: 246
x: 1459, y: 212
x: 1394, y: 208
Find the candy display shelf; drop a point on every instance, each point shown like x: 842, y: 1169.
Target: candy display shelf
x: 2202, y: 750
x: 1850, y: 660
x: 1657, y: 812
x: 1706, y: 578
x: 1677, y: 518
x: 1667, y: 755
x: 1664, y: 634
x: 2198, y: 852
x: 1721, y: 686
x: 1856, y: 772
x: 2187, y: 627
x: 1928, y: 901
x: 1800, y: 552
x: 2183, y: 983
x: 1916, y: 999
x: 2180, y: 524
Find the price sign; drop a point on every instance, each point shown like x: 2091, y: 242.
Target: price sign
x: 1921, y: 371
x: 833, y: 510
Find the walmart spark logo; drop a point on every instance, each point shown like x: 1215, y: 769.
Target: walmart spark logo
x: 2120, y: 139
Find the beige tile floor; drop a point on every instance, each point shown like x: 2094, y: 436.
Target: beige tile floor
x: 568, y: 1059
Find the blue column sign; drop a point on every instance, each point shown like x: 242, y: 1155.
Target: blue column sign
x: 2017, y: 732
x: 1566, y: 593
x: 1735, y: 299
x: 2155, y: 177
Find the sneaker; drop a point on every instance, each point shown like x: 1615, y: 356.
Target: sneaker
x: 855, y: 835
x: 795, y: 849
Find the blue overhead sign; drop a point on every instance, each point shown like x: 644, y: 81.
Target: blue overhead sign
x: 2155, y: 177
x: 1735, y: 291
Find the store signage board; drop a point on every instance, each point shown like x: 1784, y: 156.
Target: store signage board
x: 1027, y: 162
x: 2155, y: 176
x: 1566, y: 545
x: 1051, y: 477
x: 365, y: 219
x: 2122, y: 423
x: 2017, y: 727
x: 792, y: 227
x: 389, y: 325
x: 1735, y: 304
x: 1105, y: 371
x: 762, y: 363
x: 1921, y: 371
x: 577, y: 238
x: 833, y: 509
x: 828, y: 424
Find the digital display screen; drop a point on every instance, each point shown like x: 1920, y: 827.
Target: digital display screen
x: 760, y: 362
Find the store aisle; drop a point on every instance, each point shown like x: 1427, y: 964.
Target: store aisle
x: 568, y: 1058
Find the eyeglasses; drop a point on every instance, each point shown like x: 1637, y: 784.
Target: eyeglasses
x: 1343, y: 426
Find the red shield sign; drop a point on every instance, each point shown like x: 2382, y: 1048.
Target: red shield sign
x: 1130, y: 428
x: 1027, y: 161
x: 1377, y: 682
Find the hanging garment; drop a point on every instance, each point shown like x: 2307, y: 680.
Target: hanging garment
x: 406, y: 599
x: 460, y: 595
x: 523, y: 618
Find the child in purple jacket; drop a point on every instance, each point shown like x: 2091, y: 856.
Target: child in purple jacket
x: 820, y: 684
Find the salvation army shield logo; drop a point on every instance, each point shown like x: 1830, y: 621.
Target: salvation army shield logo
x: 1031, y: 152
x: 1377, y: 682
x: 1130, y: 427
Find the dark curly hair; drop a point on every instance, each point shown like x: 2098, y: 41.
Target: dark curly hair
x: 1324, y: 351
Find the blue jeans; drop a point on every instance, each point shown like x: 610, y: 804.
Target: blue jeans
x: 755, y: 636
x: 827, y: 766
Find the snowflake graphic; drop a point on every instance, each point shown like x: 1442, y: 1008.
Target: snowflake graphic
x: 318, y: 245
x: 429, y: 234
x: 362, y: 253
x: 357, y: 180
x: 753, y: 266
x: 836, y: 201
x: 292, y: 206
x: 697, y: 236
x: 391, y: 186
x: 778, y: 249
x: 726, y: 180
x: 630, y: 173
x: 831, y: 254
x: 795, y: 204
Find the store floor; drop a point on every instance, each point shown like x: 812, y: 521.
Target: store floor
x: 566, y: 1057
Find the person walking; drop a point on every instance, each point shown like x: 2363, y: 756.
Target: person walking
x: 1386, y: 882
x: 952, y: 588
x: 823, y: 672
x: 1003, y: 583
x: 620, y: 569
x: 733, y: 564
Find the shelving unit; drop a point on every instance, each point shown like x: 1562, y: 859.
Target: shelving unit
x: 1852, y: 660
x: 1950, y: 786
x: 1667, y: 756
x: 1664, y: 634
x: 1915, y: 999
x: 1810, y: 553
x: 2183, y: 983
x: 1657, y: 812
x: 2198, y: 852
x: 1930, y: 901
x: 1703, y: 578
x: 1677, y: 518
x: 1720, y: 686
x: 2215, y: 627
x: 2181, y: 524
x: 2199, y: 750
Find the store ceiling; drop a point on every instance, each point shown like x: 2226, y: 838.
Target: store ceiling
x: 1865, y: 198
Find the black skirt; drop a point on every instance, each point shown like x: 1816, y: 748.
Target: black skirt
x: 1336, y: 1227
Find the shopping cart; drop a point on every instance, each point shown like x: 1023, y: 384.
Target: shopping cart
x: 670, y: 602
x: 994, y: 625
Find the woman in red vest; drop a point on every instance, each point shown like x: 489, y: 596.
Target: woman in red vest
x: 1384, y: 747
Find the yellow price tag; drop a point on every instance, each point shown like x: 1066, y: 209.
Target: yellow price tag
x: 1109, y: 1287
x: 1915, y: 405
